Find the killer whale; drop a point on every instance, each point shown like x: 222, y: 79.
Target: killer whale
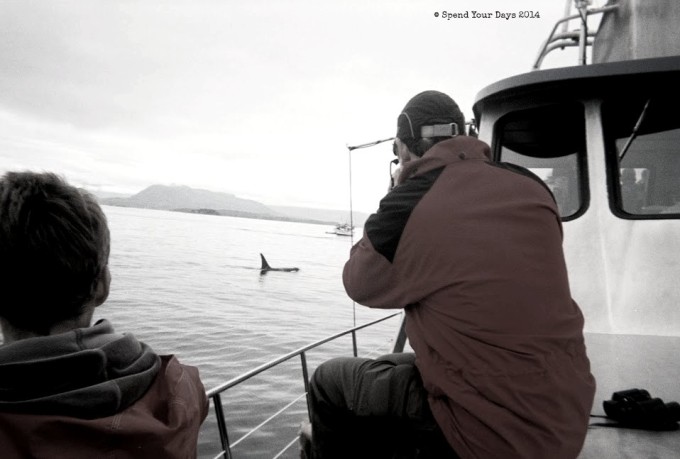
x: 266, y: 268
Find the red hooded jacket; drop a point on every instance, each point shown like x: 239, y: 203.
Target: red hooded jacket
x: 473, y: 251
x: 91, y: 393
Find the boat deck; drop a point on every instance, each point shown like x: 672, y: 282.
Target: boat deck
x: 621, y: 362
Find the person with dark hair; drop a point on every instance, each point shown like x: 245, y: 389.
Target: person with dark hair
x: 69, y: 388
x: 472, y: 251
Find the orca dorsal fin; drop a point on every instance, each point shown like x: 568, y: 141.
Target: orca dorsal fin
x: 265, y: 265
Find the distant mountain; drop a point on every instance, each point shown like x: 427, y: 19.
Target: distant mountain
x: 198, y: 201
x: 182, y: 197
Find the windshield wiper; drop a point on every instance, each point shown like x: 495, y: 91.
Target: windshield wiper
x: 633, y: 135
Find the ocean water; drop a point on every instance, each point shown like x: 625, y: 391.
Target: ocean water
x: 190, y: 285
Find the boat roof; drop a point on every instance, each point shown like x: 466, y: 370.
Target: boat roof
x: 580, y: 80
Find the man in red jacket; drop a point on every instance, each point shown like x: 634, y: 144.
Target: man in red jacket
x: 472, y: 250
x: 68, y: 388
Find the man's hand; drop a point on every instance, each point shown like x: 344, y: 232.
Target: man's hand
x: 394, y: 180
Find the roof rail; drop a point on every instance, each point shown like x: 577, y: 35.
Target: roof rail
x: 580, y: 37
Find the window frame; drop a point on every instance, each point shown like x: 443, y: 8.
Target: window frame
x: 613, y: 166
x: 582, y: 174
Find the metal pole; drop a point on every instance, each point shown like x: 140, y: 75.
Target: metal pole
x: 221, y: 424
x: 351, y: 226
x: 400, y: 340
x: 582, y: 7
x: 567, y: 9
x: 351, y: 209
x: 305, y: 378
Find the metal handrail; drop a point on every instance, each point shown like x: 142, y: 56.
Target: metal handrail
x: 215, y: 393
x: 580, y: 36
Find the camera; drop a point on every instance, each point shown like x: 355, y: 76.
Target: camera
x: 637, y: 409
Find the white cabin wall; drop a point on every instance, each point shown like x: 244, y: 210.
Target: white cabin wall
x: 624, y: 274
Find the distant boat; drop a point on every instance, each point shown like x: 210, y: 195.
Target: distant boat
x: 342, y: 229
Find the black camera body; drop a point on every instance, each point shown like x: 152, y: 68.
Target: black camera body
x: 635, y: 408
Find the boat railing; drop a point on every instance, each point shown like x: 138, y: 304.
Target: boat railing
x: 580, y: 37
x: 215, y: 394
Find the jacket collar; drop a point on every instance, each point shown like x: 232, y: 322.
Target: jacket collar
x: 457, y: 149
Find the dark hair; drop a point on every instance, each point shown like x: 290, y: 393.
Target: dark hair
x: 54, y: 248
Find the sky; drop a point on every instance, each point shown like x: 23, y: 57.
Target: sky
x: 255, y: 98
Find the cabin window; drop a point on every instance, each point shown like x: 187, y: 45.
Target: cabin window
x: 550, y: 142
x: 643, y: 145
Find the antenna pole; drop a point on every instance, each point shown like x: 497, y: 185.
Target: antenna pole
x: 582, y: 8
x: 351, y: 209
x: 351, y: 226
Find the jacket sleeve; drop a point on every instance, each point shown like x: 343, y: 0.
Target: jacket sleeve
x: 371, y: 276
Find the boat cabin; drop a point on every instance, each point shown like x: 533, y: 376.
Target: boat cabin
x: 605, y: 137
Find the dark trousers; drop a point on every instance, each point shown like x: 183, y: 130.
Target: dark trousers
x: 365, y: 408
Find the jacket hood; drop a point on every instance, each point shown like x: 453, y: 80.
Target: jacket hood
x: 87, y: 373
